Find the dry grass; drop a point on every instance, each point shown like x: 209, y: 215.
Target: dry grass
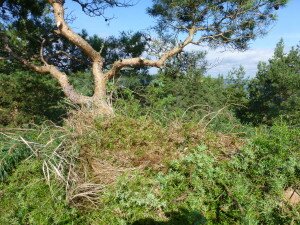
x: 112, y: 146
x: 81, y: 120
x: 91, y: 152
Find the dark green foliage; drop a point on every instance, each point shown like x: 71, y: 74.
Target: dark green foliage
x: 193, y: 95
x: 28, y: 97
x: 127, y: 45
x: 232, y: 23
x: 23, y: 26
x: 11, y: 154
x: 275, y: 91
x: 236, y: 91
x: 186, y: 63
x: 21, y: 9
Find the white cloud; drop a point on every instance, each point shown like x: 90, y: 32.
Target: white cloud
x: 228, y: 60
x: 224, y: 61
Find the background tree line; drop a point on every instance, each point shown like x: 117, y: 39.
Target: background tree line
x: 181, y: 88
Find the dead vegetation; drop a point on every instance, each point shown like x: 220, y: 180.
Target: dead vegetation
x: 90, y: 153
x: 109, y: 147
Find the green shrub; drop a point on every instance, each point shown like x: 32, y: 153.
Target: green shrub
x: 27, y: 97
x: 275, y: 91
x: 25, y: 198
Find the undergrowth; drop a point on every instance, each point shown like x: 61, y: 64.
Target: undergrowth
x: 25, y: 198
x: 17, y: 144
x: 139, y: 171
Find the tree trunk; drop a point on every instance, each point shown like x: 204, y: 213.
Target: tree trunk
x: 102, y: 107
x: 98, y: 103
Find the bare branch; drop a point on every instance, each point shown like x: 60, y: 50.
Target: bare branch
x: 62, y: 78
x: 42, y: 52
x: 68, y: 55
x: 137, y: 62
x: 39, y: 69
x: 97, y: 8
x: 68, y: 33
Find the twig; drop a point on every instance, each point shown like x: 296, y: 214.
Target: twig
x: 26, y: 143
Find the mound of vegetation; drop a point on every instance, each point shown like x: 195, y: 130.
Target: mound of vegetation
x: 137, y: 171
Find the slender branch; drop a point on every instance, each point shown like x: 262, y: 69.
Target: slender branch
x: 69, y: 34
x: 42, y: 52
x: 68, y: 55
x: 137, y: 62
x: 97, y: 8
x: 62, y: 78
x: 39, y: 69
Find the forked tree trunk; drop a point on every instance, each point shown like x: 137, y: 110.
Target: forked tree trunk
x: 102, y: 107
x: 99, y: 102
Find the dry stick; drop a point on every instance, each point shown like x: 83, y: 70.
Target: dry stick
x: 18, y: 140
x: 297, y: 192
x: 193, y: 106
x: 57, y: 172
x: 216, y: 114
x: 46, y: 172
x: 5, y: 135
x: 294, y: 192
x: 41, y: 133
x: 49, y: 142
x: 17, y: 129
x: 26, y: 143
x: 68, y: 179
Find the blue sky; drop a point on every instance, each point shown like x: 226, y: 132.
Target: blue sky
x: 135, y: 18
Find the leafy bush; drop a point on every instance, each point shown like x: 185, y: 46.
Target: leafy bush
x: 29, y: 98
x: 246, y: 188
x: 187, y: 97
x: 275, y: 91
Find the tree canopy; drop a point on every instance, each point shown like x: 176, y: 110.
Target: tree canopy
x: 275, y: 91
x: 217, y: 22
